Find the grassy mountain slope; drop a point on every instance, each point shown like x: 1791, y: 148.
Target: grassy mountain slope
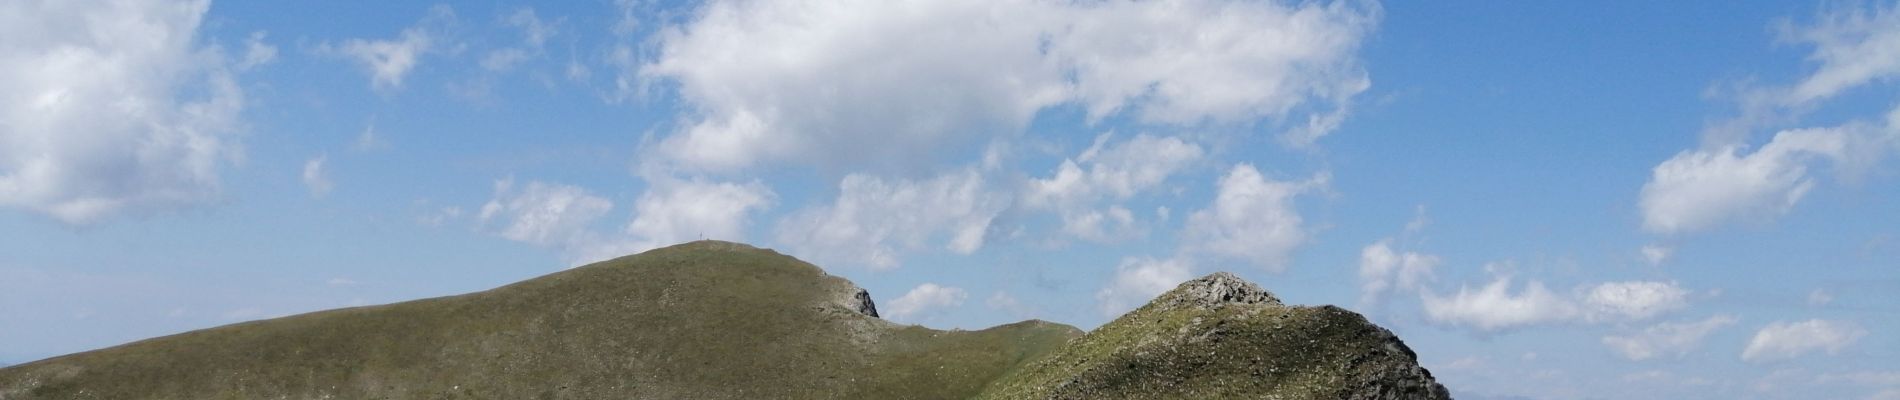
x: 1220, y: 337
x: 701, y: 320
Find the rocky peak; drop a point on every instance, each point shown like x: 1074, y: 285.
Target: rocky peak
x: 1216, y: 289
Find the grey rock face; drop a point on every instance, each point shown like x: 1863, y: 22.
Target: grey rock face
x: 1393, y: 380
x: 863, y: 303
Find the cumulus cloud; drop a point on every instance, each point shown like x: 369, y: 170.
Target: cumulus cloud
x: 1138, y: 280
x: 1382, y: 270
x: 926, y: 298
x: 1493, y: 307
x: 388, y: 61
x: 676, y: 210
x: 830, y: 82
x: 315, y: 178
x: 107, y: 107
x: 873, y: 219
x: 1723, y: 181
x: 1185, y: 61
x: 1252, y: 219
x: 1667, y: 338
x: 1702, y: 188
x: 1108, y: 173
x: 1784, y: 340
x: 563, y: 217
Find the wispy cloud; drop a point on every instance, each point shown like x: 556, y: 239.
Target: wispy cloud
x: 1784, y: 340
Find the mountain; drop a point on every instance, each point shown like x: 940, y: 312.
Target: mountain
x: 719, y: 320
x: 1220, y: 337
x: 702, y: 320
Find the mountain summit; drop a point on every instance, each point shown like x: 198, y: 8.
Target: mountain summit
x: 1221, y: 337
x: 720, y: 320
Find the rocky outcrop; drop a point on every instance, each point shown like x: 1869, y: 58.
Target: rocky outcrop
x: 1216, y: 289
x: 1223, y: 337
x: 861, y: 303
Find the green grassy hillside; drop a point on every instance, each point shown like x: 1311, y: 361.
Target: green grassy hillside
x: 702, y: 320
x: 718, y: 320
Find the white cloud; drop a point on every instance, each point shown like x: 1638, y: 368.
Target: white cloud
x: 674, y: 210
x: 885, y: 84
x: 111, y: 107
x: 1494, y: 308
x: 1108, y: 226
x: 1114, y: 172
x: 534, y: 36
x: 439, y: 216
x: 1667, y: 338
x: 1655, y: 254
x: 668, y: 212
x: 873, y: 220
x: 926, y: 298
x: 1783, y: 340
x: 562, y: 217
x: 1187, y: 61
x: 1633, y: 300
x: 853, y: 82
x: 1252, y: 219
x: 1852, y: 46
x: 1699, y: 189
x: 1138, y: 280
x: 388, y: 61
x: 256, y: 52
x: 1105, y: 173
x: 534, y: 31
x: 544, y: 214
x: 1382, y: 270
x: 315, y: 178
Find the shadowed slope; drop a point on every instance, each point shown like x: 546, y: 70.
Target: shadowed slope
x: 699, y: 320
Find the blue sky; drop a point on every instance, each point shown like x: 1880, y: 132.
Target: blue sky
x: 1546, y: 200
